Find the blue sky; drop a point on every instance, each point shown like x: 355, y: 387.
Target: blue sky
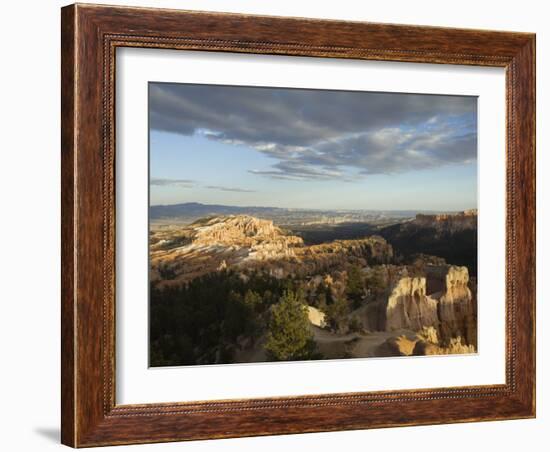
x: 311, y: 149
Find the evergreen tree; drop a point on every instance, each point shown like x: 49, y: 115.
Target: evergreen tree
x: 289, y: 337
x: 337, y: 314
x: 354, y: 286
x: 375, y: 282
x: 253, y: 300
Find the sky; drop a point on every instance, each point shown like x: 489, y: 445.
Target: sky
x: 318, y: 149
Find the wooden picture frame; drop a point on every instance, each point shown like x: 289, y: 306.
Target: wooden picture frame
x: 90, y: 36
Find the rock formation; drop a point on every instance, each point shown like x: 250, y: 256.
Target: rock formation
x: 454, y: 347
x: 244, y: 231
x: 408, y: 306
x: 457, y: 308
x: 179, y: 255
x: 397, y: 346
x: 439, y: 307
x: 452, y: 237
x: 323, y: 257
x: 448, y: 222
x: 361, y: 300
x: 316, y: 317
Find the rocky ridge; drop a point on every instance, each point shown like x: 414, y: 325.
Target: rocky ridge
x: 448, y: 222
x: 181, y: 254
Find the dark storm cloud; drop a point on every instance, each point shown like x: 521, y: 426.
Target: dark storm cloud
x: 184, y: 183
x: 315, y: 134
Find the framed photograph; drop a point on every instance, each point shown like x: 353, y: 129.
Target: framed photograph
x: 282, y: 225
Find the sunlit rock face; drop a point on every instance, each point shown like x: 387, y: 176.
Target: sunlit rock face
x: 180, y: 254
x: 397, y: 346
x: 440, y: 301
x: 409, y: 307
x: 261, y: 236
x: 424, y: 343
x: 455, y: 346
x: 448, y: 222
x: 316, y: 317
x: 457, y: 307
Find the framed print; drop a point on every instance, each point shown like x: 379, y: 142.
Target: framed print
x: 281, y: 225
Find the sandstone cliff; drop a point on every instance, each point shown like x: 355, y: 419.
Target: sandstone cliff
x: 452, y: 237
x: 181, y: 254
x: 408, y: 306
x: 440, y: 306
x: 323, y: 257
x: 457, y: 307
x: 418, y: 346
x: 244, y: 231
x: 455, y: 346
x: 448, y: 222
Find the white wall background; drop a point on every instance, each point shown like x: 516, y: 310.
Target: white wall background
x: 29, y: 190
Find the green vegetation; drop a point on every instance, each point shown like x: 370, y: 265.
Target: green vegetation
x: 337, y: 314
x: 355, y: 325
x: 212, y: 318
x: 375, y: 283
x: 289, y: 337
x: 216, y: 318
x: 355, y: 287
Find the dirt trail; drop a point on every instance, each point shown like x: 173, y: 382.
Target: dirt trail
x: 353, y: 345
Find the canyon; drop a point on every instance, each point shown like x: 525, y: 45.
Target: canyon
x: 364, y: 297
x: 181, y: 254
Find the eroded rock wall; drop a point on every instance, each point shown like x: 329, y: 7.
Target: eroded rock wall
x: 244, y: 242
x: 457, y: 307
x: 450, y: 311
x: 409, y: 307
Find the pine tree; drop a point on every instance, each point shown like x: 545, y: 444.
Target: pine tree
x: 289, y: 337
x: 337, y: 314
x: 354, y: 286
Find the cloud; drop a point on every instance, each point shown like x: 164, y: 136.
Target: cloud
x: 322, y: 134
x: 188, y: 183
x: 182, y: 183
x: 298, y: 169
x: 234, y: 189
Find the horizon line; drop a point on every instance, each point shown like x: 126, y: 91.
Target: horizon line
x: 315, y: 209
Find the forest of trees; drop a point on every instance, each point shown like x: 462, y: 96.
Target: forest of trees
x: 210, y: 319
